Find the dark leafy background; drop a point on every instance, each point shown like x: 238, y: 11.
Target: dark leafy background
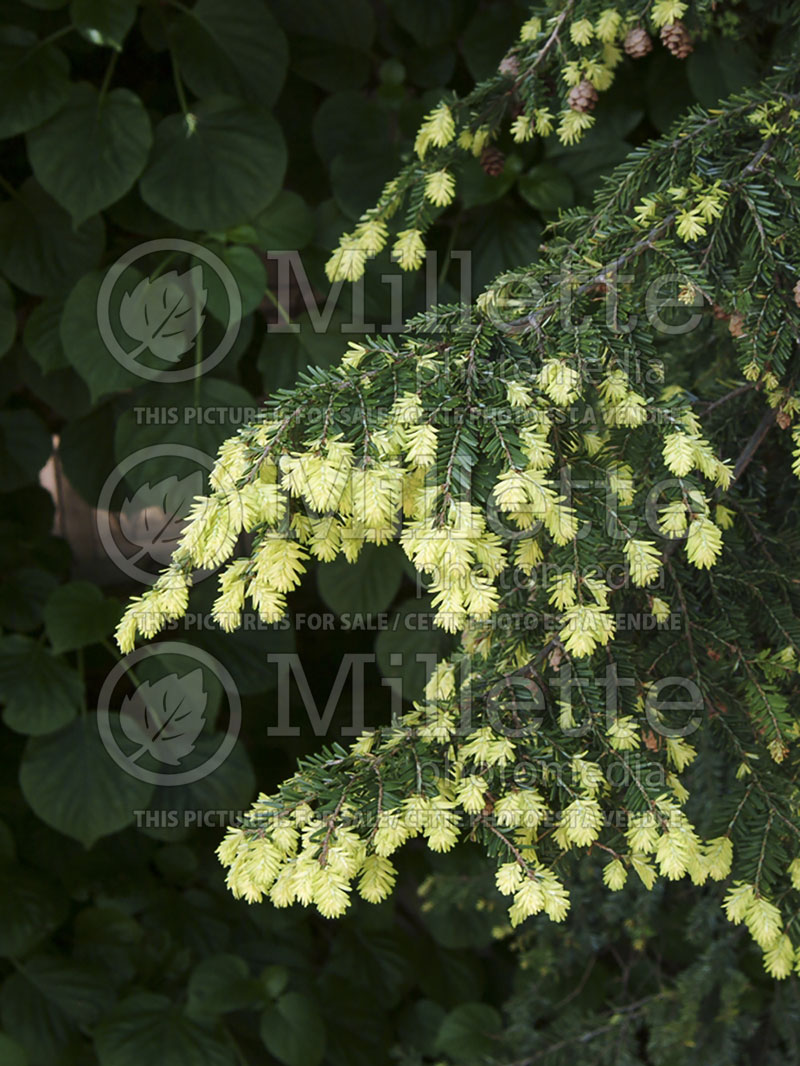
x: 119, y: 944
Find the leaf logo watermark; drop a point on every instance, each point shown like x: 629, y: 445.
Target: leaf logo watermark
x: 143, y: 527
x: 153, y: 733
x: 166, y: 717
x: 153, y: 518
x: 164, y: 314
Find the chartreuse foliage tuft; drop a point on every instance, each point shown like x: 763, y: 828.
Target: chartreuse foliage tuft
x: 538, y: 457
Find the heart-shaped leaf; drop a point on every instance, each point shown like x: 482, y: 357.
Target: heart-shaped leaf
x: 104, y: 22
x: 73, y: 784
x: 112, y: 131
x: 40, y: 249
x: 149, y: 1028
x: 293, y: 1031
x: 78, y: 614
x: 215, y: 168
x: 34, y: 81
x: 231, y: 46
x: 41, y: 693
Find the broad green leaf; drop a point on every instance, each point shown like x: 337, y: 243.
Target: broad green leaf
x: 113, y: 132
x: 273, y: 980
x: 8, y: 318
x: 231, y: 786
x: 595, y: 155
x: 411, y: 646
x: 34, y: 1023
x: 12, y: 1053
x: 83, y: 344
x: 25, y: 447
x: 73, y: 784
x: 280, y: 358
x: 547, y: 188
x: 221, y: 983
x: 333, y: 67
x: 487, y: 37
x: 421, y: 1024
x: 41, y: 693
x: 428, y: 21
x: 104, y: 928
x: 470, y: 1033
x: 284, y: 225
x: 430, y: 67
x: 349, y: 22
x: 206, y: 413
x: 8, y: 848
x: 505, y: 241
x: 232, y: 47
x: 369, y: 584
x: 717, y: 68
x: 34, y: 81
x: 78, y: 614
x: 23, y: 594
x: 346, y: 122
x: 149, y: 1028
x: 36, y: 906
x: 220, y: 172
x: 357, y: 179
x: 250, y: 275
x: 320, y: 345
x: 78, y: 990
x: 62, y: 391
x: 42, y: 335
x: 355, y: 1024
x: 293, y: 1031
x: 40, y: 251
x: 104, y: 22
x: 667, y: 90
x: 317, y: 343
x: 86, y: 451
x: 476, y: 187
x: 245, y: 651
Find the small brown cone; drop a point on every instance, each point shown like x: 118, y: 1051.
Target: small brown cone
x: 492, y: 161
x: 509, y: 66
x: 582, y: 97
x: 736, y: 324
x: 676, y: 38
x: 796, y: 292
x: 638, y: 42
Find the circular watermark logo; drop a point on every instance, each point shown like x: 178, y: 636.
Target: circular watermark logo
x: 141, y: 525
x: 158, y: 735
x: 161, y: 318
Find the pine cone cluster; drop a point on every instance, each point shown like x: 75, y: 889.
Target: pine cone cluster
x: 492, y: 161
x: 638, y: 42
x: 583, y: 96
x: 796, y: 292
x: 676, y: 38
